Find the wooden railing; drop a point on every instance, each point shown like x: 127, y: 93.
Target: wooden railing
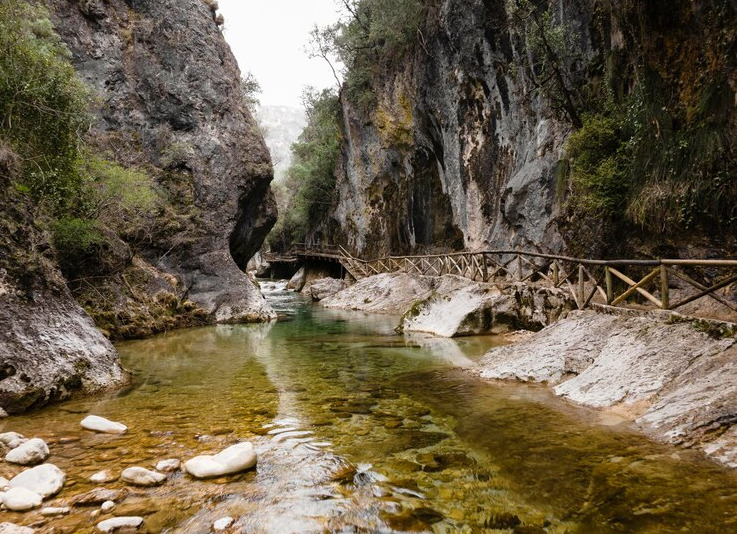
x: 611, y: 282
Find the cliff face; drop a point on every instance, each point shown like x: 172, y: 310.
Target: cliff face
x: 49, y: 348
x: 465, y: 146
x: 170, y: 102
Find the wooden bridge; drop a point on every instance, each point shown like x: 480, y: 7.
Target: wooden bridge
x: 611, y: 282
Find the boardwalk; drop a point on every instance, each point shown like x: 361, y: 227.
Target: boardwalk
x: 668, y: 284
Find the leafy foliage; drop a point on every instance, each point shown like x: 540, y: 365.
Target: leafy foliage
x: 308, y: 191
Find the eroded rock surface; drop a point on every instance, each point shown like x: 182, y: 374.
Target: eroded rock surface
x: 391, y: 294
x: 678, y: 383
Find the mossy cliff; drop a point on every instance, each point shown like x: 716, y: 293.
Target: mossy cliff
x: 595, y: 128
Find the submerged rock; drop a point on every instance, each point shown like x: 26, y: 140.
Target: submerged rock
x: 222, y: 524
x: 140, y: 476
x: 21, y: 499
x: 100, y: 424
x: 232, y: 460
x: 168, y: 466
x: 102, y: 477
x: 676, y: 382
x: 33, y: 451
x: 44, y: 479
x: 118, y: 523
x: 98, y: 496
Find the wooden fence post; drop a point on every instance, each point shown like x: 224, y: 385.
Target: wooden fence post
x: 581, y: 287
x: 484, y: 269
x: 609, y: 285
x: 519, y: 268
x: 556, y: 274
x: 664, y: 290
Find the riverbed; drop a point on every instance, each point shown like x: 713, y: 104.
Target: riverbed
x: 359, y: 429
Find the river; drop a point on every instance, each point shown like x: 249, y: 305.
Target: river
x: 361, y: 430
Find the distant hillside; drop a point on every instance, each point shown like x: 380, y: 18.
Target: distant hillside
x: 281, y: 126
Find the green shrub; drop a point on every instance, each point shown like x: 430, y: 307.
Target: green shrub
x: 77, y: 242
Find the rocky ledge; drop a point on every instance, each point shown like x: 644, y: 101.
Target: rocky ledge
x: 677, y: 382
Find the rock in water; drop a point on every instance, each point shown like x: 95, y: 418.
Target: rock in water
x: 100, y: 424
x: 98, y: 496
x: 12, y: 528
x: 119, y: 523
x: 141, y: 476
x: 44, y: 479
x: 107, y: 507
x: 103, y: 476
x: 168, y: 466
x: 326, y: 287
x: 55, y: 511
x: 32, y: 452
x: 222, y: 524
x: 231, y: 460
x: 21, y: 499
x: 12, y: 439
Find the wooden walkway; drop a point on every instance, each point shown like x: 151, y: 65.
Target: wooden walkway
x: 612, y: 282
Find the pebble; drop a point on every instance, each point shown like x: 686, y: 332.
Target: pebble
x: 117, y: 523
x: 107, y: 507
x: 100, y: 424
x: 103, y: 476
x: 140, y: 476
x: 55, y: 511
x: 12, y: 439
x: 234, y: 459
x: 21, y: 499
x: 32, y: 452
x: 222, y: 523
x: 168, y: 466
x: 44, y: 479
x: 12, y: 528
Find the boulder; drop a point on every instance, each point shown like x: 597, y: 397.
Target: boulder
x: 326, y: 287
x: 140, y: 476
x: 168, y: 466
x: 44, y: 479
x: 100, y: 424
x: 12, y: 528
x: 391, y: 294
x: 234, y: 459
x: 32, y: 452
x: 21, y: 499
x: 118, y: 523
x: 297, y: 282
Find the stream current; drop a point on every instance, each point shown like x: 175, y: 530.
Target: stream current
x: 361, y: 430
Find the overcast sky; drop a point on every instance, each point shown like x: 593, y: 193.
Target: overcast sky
x: 269, y: 38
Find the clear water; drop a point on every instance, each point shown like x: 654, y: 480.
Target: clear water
x: 361, y: 430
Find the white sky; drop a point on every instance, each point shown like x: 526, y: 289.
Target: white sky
x: 269, y: 38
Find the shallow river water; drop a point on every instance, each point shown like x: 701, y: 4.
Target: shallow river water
x: 361, y: 430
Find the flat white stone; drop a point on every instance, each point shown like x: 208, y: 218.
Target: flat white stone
x: 116, y: 523
x: 103, y: 476
x: 12, y: 528
x: 234, y: 459
x: 32, y: 452
x: 55, y: 511
x: 4, y: 483
x: 21, y: 499
x: 44, y: 479
x: 140, y: 476
x: 168, y: 466
x: 12, y: 439
x: 222, y: 524
x: 107, y: 507
x: 100, y: 424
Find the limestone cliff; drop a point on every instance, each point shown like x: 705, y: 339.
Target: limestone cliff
x: 464, y: 145
x: 170, y: 102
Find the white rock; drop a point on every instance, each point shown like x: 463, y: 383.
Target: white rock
x: 234, y: 459
x: 107, y: 507
x: 140, y: 476
x: 21, y: 499
x: 100, y: 424
x: 44, y: 479
x: 3, y: 414
x: 116, y: 523
x: 168, y: 466
x: 32, y: 452
x: 222, y: 524
x: 12, y: 528
x: 103, y: 476
x: 4, y: 483
x: 55, y: 511
x: 12, y: 439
